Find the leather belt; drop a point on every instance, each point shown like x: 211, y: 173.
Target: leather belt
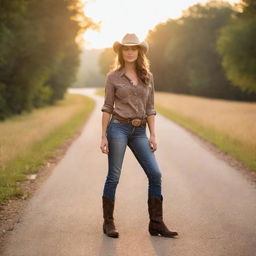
x: 132, y: 121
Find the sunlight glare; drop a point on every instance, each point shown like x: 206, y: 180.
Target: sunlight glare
x: 119, y: 17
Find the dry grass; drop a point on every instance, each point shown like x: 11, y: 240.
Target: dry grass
x: 234, y: 119
x: 100, y: 92
x: 28, y: 141
x: 18, y: 133
x: 229, y: 125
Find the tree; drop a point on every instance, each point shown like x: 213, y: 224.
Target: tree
x: 249, y: 9
x: 39, y: 54
x: 184, y: 56
x: 237, y: 46
x: 106, y: 60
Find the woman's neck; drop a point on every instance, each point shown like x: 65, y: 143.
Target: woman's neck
x: 129, y: 67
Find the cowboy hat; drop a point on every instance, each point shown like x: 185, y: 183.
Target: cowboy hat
x: 129, y: 40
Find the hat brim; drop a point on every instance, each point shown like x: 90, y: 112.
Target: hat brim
x: 143, y: 44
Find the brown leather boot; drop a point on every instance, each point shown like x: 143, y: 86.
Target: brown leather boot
x: 108, y: 225
x: 156, y: 224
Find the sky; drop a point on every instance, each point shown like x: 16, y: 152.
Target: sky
x: 118, y: 17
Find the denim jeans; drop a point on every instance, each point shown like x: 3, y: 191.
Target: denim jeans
x: 120, y: 135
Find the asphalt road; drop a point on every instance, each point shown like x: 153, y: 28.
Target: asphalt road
x: 210, y: 204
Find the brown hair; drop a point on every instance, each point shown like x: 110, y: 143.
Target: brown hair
x: 142, y: 65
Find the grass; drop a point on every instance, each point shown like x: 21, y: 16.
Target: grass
x: 100, y: 92
x: 29, y: 140
x: 229, y: 125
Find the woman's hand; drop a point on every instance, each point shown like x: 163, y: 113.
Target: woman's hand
x: 104, y: 145
x: 152, y: 143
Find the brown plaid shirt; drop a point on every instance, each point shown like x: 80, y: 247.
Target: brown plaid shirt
x: 126, y: 99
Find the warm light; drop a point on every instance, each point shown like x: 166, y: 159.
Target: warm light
x: 119, y: 17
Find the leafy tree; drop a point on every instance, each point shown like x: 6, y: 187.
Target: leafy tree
x: 237, y: 46
x: 249, y: 9
x: 39, y: 54
x: 106, y: 59
x: 184, y: 56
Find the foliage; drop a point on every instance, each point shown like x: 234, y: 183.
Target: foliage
x: 106, y: 60
x: 39, y: 54
x: 237, y: 46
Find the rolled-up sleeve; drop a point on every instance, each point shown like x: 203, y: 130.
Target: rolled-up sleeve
x: 150, y: 109
x: 108, y: 105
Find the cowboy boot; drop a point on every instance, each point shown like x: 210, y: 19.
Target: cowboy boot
x: 156, y: 224
x: 108, y: 225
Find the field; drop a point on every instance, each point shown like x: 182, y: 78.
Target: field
x: 230, y: 125
x: 28, y: 140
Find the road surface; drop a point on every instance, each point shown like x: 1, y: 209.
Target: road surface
x: 210, y: 204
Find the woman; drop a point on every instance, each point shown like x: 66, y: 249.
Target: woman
x: 128, y: 107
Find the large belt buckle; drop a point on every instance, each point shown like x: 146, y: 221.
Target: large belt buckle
x: 136, y: 122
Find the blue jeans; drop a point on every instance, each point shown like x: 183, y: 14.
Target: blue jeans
x: 120, y: 135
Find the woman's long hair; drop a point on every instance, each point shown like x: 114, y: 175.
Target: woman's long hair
x: 142, y: 64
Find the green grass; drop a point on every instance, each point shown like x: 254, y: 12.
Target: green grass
x: 224, y: 142
x: 39, y: 152
x: 100, y: 92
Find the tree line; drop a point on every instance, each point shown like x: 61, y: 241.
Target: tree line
x: 210, y: 51
x: 39, y: 55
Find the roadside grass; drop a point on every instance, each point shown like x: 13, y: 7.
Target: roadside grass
x: 29, y: 140
x: 229, y: 125
x: 100, y: 92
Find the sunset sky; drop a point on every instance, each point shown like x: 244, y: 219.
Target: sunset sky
x: 119, y: 17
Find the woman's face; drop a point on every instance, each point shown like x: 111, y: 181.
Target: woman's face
x: 130, y: 53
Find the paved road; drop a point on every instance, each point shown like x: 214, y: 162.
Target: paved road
x: 210, y: 204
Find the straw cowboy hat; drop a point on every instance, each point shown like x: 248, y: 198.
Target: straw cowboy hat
x: 129, y: 40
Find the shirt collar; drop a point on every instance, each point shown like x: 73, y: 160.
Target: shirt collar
x: 122, y: 71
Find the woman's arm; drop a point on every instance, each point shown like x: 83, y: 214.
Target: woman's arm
x: 104, y: 141
x: 107, y: 110
x: 151, y: 113
x: 151, y: 126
